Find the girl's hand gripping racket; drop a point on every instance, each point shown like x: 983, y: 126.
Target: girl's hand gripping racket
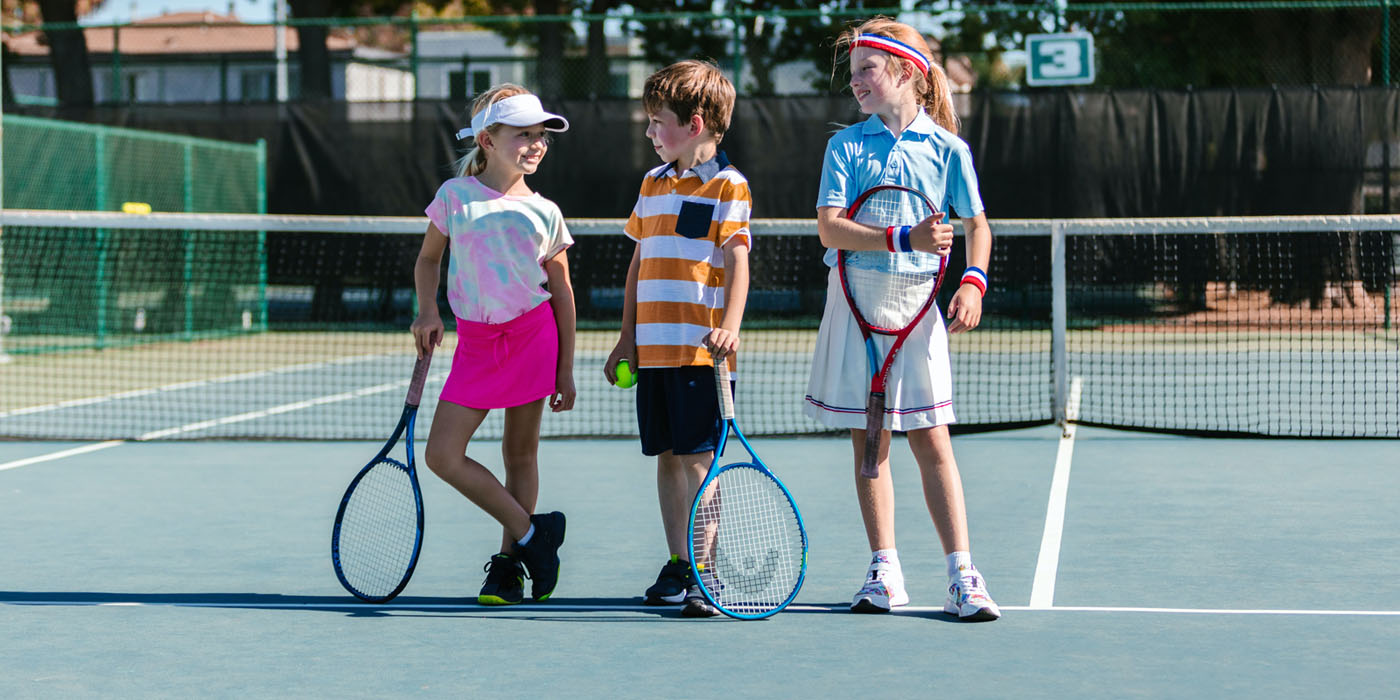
x: 748, y: 546
x: 889, y: 294
x: 379, y: 527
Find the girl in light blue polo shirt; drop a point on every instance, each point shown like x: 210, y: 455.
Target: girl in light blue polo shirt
x: 910, y: 139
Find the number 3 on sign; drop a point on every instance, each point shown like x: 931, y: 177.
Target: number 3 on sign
x: 1059, y: 59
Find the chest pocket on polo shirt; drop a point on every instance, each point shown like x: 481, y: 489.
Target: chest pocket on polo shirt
x: 694, y: 219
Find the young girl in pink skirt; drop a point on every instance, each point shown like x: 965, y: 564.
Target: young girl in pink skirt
x: 508, y: 286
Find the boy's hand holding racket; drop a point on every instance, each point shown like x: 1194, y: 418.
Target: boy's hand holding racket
x: 721, y: 342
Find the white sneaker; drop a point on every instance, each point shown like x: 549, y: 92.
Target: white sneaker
x: 968, y: 599
x: 883, y: 588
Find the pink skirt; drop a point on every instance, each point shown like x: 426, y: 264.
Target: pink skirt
x: 499, y: 365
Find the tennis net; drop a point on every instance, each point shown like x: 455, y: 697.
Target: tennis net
x: 182, y: 326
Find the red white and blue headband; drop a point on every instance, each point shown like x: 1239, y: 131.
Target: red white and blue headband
x: 893, y: 46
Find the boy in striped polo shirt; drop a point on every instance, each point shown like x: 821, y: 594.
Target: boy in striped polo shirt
x: 686, y: 288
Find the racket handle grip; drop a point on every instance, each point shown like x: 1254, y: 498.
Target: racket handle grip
x: 420, y: 376
x: 722, y: 390
x: 874, y: 428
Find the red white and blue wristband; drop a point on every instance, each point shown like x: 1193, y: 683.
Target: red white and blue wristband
x: 897, y: 239
x: 893, y: 46
x: 975, y: 277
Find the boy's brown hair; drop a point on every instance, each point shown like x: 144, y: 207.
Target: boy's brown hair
x: 689, y: 88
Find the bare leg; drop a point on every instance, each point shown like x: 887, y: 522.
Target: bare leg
x: 707, y: 518
x: 520, y: 452
x: 678, y: 478
x: 943, y: 492
x: 876, y: 495
x: 453, y: 427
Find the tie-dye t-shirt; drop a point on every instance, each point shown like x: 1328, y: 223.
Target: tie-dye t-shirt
x: 498, y: 246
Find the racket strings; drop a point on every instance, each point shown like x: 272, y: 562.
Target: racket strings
x: 748, y: 542
x: 379, y: 530
x: 889, y: 289
x: 889, y: 300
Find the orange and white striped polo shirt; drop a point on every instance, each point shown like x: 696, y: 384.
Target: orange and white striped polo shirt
x: 681, y: 222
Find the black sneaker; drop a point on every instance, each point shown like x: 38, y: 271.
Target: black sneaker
x: 671, y: 584
x: 541, y: 555
x: 505, y: 581
x: 696, y: 604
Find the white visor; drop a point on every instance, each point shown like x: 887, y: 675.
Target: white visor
x: 520, y: 110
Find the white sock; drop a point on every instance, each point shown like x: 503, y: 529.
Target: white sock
x: 889, y: 556
x: 528, y: 534
x: 959, y: 562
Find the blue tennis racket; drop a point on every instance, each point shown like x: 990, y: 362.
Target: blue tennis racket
x: 747, y: 542
x: 379, y: 527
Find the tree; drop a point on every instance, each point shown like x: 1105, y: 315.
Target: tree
x: 311, y: 38
x: 549, y: 39
x: 596, y: 63
x: 765, y: 41
x: 67, y: 48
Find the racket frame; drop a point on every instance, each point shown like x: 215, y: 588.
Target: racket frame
x: 726, y: 401
x: 404, y: 429
x: 875, y: 401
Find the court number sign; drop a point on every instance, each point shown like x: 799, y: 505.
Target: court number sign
x: 1060, y: 59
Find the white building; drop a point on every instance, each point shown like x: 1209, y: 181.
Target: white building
x: 453, y: 64
x: 212, y: 58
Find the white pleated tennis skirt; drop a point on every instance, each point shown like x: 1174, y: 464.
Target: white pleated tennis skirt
x: 919, y: 393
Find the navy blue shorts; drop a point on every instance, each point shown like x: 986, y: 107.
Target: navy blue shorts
x: 677, y: 410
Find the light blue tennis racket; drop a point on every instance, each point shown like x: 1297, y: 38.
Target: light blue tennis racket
x: 747, y: 542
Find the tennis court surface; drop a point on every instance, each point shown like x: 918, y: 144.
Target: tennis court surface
x: 1180, y: 567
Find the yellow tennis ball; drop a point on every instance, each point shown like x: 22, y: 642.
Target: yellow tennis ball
x: 625, y: 378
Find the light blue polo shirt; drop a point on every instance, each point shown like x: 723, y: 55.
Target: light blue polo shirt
x: 925, y: 157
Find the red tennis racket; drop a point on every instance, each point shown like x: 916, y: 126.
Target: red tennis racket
x: 889, y: 294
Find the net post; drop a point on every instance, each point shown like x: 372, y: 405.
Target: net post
x: 1394, y: 275
x: 1058, y: 322
x: 262, y: 236
x: 4, y: 324
x: 100, y: 242
x: 187, y: 241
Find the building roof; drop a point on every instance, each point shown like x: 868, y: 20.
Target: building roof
x: 202, y: 33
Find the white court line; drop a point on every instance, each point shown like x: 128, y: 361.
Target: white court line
x: 60, y: 455
x: 1047, y: 564
x: 410, y: 607
x: 201, y: 425
x: 255, y: 374
x: 284, y: 408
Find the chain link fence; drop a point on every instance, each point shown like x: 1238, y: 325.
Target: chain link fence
x: 210, y: 58
x: 54, y: 164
